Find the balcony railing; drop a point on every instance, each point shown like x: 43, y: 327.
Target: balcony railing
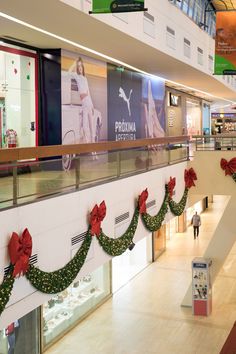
x: 30, y: 174
x: 215, y: 142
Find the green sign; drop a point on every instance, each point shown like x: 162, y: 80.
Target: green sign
x: 108, y: 6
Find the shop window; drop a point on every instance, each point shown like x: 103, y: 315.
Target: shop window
x: 170, y: 37
x: 66, y: 309
x: 22, y: 335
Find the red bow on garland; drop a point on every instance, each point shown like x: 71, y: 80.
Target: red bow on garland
x: 142, y: 202
x: 171, y: 186
x: 228, y: 167
x: 20, y: 249
x: 189, y: 178
x: 96, y: 216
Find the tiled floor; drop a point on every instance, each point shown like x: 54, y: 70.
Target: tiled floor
x: 145, y: 316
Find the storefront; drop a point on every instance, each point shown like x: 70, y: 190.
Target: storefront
x: 159, y: 242
x: 193, y: 117
x: 130, y: 263
x: 18, y: 97
x: 223, y: 123
x: 39, y: 329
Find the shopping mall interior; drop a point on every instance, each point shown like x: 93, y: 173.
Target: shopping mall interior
x: 117, y: 172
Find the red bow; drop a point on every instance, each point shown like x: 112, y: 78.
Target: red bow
x: 189, y: 178
x: 171, y: 186
x: 228, y: 167
x: 20, y: 249
x: 142, y: 201
x: 96, y: 216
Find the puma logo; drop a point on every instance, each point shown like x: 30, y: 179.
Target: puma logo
x: 122, y: 94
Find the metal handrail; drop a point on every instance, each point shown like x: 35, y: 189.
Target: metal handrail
x: 16, y: 154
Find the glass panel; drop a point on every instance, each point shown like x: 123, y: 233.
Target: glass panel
x: 133, y: 160
x: 158, y: 156
x: 21, y: 336
x: 97, y: 167
x: 41, y: 178
x: 19, y: 100
x: 6, y: 185
x: 65, y: 309
x: 178, y: 152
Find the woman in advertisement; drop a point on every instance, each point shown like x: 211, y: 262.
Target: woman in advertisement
x: 153, y: 126
x: 88, y: 123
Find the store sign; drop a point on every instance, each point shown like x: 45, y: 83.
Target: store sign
x: 223, y: 115
x: 225, y: 43
x: 108, y: 6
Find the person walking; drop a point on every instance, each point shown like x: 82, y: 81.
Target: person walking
x: 196, y: 222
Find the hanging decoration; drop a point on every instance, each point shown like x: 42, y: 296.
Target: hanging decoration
x: 189, y: 178
x: 178, y: 208
x: 171, y: 186
x: 153, y: 223
x: 116, y: 246
x: 229, y: 167
x: 96, y: 216
x: 6, y: 289
x: 20, y: 249
x: 142, y: 201
x: 59, y: 280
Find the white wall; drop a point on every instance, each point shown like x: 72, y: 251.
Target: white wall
x: 155, y: 34
x: 53, y: 222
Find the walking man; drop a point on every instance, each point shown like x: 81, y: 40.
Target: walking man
x: 196, y: 222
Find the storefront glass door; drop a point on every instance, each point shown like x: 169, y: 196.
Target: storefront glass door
x: 18, y: 96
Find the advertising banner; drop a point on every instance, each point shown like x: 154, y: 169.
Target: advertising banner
x: 108, y: 6
x: 124, y: 104
x: 225, y: 43
x: 84, y: 99
x: 153, y: 108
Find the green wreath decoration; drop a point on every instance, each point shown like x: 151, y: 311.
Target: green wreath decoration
x: 153, y: 223
x: 6, y: 289
x: 59, y: 280
x: 117, y: 246
x: 178, y: 208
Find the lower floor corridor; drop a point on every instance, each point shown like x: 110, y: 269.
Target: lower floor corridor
x: 145, y: 316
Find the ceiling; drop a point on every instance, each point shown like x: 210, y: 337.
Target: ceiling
x: 224, y: 5
x: 71, y: 29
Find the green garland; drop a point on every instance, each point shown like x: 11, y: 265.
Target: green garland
x: 178, y: 208
x: 59, y: 280
x: 153, y: 223
x: 234, y: 176
x: 117, y: 246
x: 6, y: 289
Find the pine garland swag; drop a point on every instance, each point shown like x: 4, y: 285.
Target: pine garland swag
x: 178, y: 208
x: 59, y: 280
x: 117, y: 246
x: 6, y: 289
x: 153, y: 223
x: 234, y: 177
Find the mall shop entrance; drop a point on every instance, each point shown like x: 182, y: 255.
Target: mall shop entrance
x: 18, y: 97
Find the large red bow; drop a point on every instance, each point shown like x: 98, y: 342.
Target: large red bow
x: 189, y: 178
x: 20, y: 249
x: 142, y: 201
x: 171, y: 186
x: 228, y: 167
x: 96, y: 216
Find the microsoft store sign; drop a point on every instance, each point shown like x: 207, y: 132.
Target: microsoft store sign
x: 110, y: 6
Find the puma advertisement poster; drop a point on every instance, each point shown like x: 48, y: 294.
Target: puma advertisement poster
x: 124, y: 104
